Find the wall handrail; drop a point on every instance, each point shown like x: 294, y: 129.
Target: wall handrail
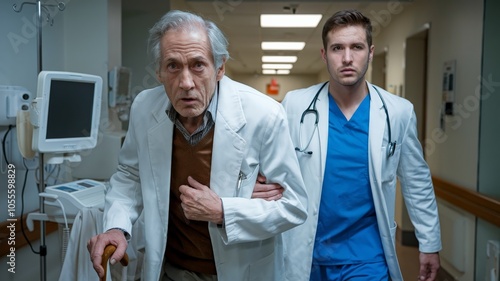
x: 478, y: 204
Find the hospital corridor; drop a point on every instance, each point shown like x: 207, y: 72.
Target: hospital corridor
x: 270, y: 140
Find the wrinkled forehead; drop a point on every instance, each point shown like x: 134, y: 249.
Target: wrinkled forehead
x: 175, y: 35
x: 185, y: 26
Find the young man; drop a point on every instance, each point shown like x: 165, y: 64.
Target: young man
x: 190, y: 160
x: 353, y: 141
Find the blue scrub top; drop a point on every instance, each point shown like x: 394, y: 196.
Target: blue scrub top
x: 347, y: 230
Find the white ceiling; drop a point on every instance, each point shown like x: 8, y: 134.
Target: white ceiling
x: 240, y: 21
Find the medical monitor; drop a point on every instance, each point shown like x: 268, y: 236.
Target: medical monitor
x: 120, y: 83
x: 66, y: 112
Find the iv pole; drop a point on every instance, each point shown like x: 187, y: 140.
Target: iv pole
x: 41, y: 184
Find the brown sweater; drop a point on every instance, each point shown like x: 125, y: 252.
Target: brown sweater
x: 188, y: 241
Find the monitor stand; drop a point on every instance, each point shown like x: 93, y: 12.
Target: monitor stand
x: 60, y: 158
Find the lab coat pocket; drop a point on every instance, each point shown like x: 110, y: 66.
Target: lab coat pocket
x: 246, y: 182
x: 389, y: 238
x: 393, y: 233
x: 262, y: 269
x: 390, y: 163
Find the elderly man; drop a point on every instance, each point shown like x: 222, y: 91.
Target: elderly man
x: 190, y: 161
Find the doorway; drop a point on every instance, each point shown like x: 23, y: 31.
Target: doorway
x: 378, y: 73
x: 415, y: 78
x: 414, y: 90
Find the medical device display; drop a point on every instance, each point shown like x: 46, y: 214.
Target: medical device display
x: 73, y: 197
x: 66, y: 112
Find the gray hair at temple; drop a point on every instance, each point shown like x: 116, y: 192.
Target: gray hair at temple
x: 175, y: 20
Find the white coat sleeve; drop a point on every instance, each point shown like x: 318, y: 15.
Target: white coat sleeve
x: 123, y: 202
x: 418, y: 191
x: 257, y: 219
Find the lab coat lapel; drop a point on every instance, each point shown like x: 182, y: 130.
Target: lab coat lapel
x: 160, y: 139
x: 376, y: 135
x: 229, y: 146
x: 323, y: 106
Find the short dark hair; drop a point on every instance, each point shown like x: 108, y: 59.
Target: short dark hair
x: 346, y: 18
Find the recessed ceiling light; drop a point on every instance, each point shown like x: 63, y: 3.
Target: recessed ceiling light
x: 305, y: 21
x: 268, y: 71
x: 274, y: 72
x: 290, y: 59
x: 283, y: 71
x: 277, y: 66
x: 294, y: 46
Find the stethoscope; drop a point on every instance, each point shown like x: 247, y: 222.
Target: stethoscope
x: 312, y: 109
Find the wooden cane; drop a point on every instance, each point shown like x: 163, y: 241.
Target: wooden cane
x: 108, y: 251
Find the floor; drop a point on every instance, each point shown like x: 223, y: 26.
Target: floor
x: 408, y: 261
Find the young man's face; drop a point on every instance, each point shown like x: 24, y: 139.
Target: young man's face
x: 188, y: 73
x: 347, y: 55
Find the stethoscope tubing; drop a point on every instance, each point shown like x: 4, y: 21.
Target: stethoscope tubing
x: 312, y: 109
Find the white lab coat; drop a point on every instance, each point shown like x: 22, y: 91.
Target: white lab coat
x: 407, y: 163
x: 252, y: 136
x: 77, y: 265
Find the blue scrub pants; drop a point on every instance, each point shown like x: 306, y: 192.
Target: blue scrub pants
x: 376, y: 271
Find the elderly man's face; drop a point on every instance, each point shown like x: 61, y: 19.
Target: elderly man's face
x: 188, y: 73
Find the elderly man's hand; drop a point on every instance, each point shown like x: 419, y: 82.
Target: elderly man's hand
x: 96, y: 246
x: 200, y: 203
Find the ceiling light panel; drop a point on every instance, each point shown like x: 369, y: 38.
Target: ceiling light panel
x: 296, y: 21
x: 283, y: 71
x: 268, y: 71
x: 274, y: 72
x: 289, y: 59
x: 293, y: 46
x: 277, y: 66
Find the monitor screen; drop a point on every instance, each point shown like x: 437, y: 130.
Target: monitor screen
x: 67, y: 110
x: 70, y: 109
